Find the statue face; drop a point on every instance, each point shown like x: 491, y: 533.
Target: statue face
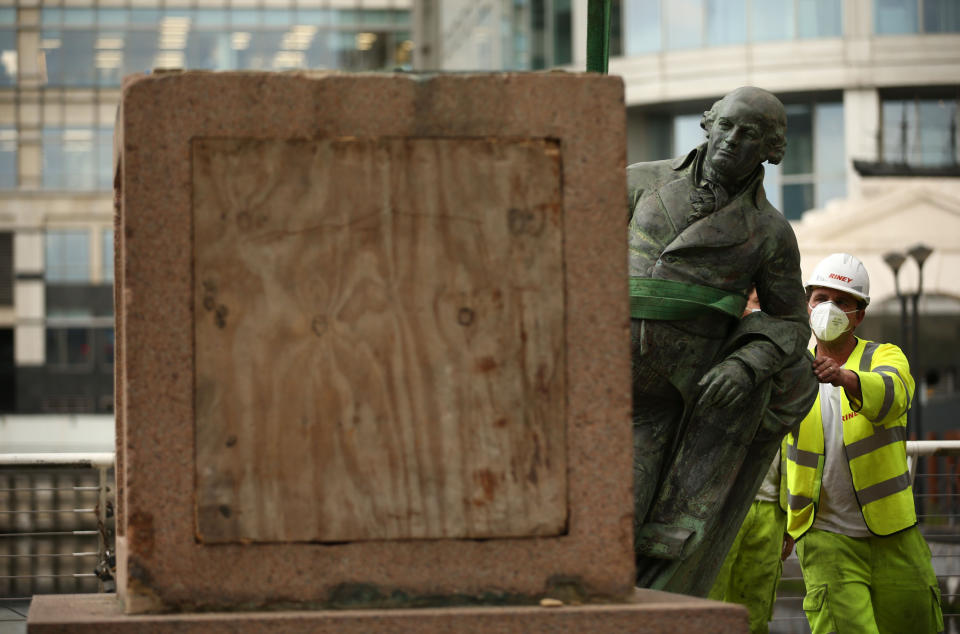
x: 736, y: 144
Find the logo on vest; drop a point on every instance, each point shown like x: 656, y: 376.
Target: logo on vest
x: 849, y: 415
x: 842, y: 278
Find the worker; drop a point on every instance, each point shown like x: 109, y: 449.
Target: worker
x: 865, y: 564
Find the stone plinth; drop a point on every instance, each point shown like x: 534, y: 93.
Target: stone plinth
x: 647, y: 612
x: 373, y: 342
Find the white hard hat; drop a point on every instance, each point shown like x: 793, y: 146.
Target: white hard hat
x: 843, y: 272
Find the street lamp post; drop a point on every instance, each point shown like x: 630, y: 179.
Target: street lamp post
x: 895, y: 260
x: 919, y: 253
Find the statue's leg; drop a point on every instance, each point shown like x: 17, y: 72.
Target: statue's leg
x: 657, y: 411
x: 655, y: 420
x: 698, y: 481
x: 792, y: 393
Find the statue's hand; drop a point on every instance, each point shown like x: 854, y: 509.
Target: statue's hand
x: 725, y: 384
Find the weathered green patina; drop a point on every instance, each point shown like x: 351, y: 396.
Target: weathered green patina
x: 713, y: 393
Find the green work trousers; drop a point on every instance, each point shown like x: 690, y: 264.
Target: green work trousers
x: 751, y: 570
x: 869, y: 584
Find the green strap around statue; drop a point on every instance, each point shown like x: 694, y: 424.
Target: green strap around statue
x: 652, y: 298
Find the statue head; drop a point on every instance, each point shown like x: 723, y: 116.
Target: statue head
x: 745, y: 128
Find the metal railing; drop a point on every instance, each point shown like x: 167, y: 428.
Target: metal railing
x: 56, y: 523
x: 935, y: 471
x: 57, y: 533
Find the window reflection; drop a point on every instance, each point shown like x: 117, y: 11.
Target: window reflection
x: 819, y: 18
x: 690, y: 24
x: 771, y: 20
x: 69, y: 348
x: 921, y: 132
x: 799, y: 159
x: 8, y: 57
x: 77, y: 158
x: 83, y: 47
x: 106, y: 254
x: 684, y: 19
x: 893, y: 17
x: 641, y: 26
x: 726, y: 22
x: 8, y: 157
x: 941, y: 16
x: 67, y: 255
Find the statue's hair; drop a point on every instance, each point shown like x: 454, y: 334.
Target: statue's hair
x: 775, y: 121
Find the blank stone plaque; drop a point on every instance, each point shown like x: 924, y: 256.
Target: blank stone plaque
x: 379, y: 339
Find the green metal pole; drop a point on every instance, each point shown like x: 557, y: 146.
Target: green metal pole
x: 598, y: 35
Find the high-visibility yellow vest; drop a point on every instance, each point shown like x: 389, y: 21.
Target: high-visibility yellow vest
x: 874, y: 441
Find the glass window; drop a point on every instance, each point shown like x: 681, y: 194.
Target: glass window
x: 112, y: 17
x: 69, y: 348
x: 315, y: 17
x: 79, y: 17
x: 726, y: 22
x: 829, y: 153
x: 69, y: 57
x: 67, y: 255
x: 210, y: 50
x: 684, y: 24
x: 797, y: 198
x: 936, y: 134
x: 829, y: 147
x: 687, y: 133
x: 771, y: 20
x: 106, y: 340
x: 920, y: 132
x: 641, y: 26
x: 8, y: 157
x: 216, y: 18
x: 893, y: 17
x: 772, y: 184
x: 106, y: 252
x: 108, y: 57
x: 819, y: 18
x: 941, y: 16
x: 813, y: 168
x: 245, y: 18
x: 150, y: 17
x: 562, y: 32
x: 616, y: 28
x: 139, y: 51
x: 8, y: 15
x: 278, y: 17
x: 8, y: 57
x: 798, y: 158
x: 51, y: 17
x: 77, y: 158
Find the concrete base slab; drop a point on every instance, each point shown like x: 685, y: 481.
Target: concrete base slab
x: 648, y: 612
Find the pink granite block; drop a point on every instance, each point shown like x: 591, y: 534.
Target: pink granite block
x: 457, y: 432
x: 647, y: 612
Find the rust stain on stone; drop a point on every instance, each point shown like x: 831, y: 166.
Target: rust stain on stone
x: 488, y: 482
x: 486, y: 364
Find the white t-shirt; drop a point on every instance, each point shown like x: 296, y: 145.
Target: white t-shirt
x: 838, y: 511
x: 770, y: 488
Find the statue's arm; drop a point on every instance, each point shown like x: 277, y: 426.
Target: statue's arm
x: 782, y: 334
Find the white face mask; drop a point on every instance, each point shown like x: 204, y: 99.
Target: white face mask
x: 828, y: 322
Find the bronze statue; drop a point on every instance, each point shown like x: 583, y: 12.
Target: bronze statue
x: 713, y: 394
